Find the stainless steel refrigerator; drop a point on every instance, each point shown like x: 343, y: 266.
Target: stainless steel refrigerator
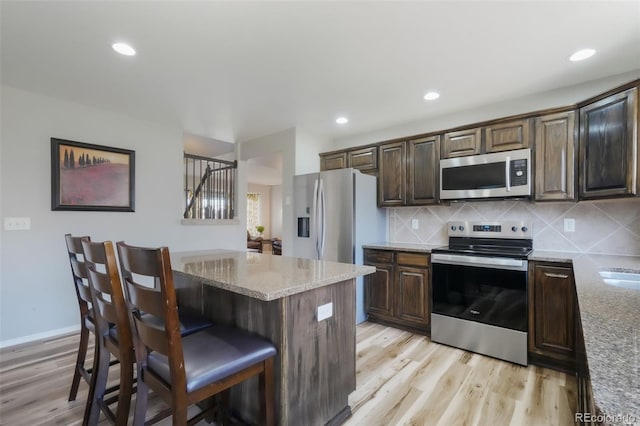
x: 336, y: 213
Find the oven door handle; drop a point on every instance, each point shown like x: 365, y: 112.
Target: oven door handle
x: 479, y: 261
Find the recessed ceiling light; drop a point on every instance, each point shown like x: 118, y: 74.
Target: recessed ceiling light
x: 431, y: 96
x: 582, y: 54
x: 124, y: 49
x: 342, y: 120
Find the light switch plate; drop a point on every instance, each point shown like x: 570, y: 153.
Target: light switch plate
x: 17, y: 223
x: 324, y: 311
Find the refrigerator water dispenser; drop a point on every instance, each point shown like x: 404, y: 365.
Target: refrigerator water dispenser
x: 303, y: 227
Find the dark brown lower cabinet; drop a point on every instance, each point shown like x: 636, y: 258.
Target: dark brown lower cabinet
x: 552, y: 315
x: 398, y: 293
x: 585, y: 404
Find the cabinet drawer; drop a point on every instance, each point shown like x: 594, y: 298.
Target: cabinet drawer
x: 413, y: 259
x: 508, y: 136
x: 461, y: 143
x: 364, y: 159
x: 333, y: 161
x: 378, y: 256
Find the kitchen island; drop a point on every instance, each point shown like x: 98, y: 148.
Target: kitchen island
x: 278, y: 297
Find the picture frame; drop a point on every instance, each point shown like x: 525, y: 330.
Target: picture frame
x: 90, y: 177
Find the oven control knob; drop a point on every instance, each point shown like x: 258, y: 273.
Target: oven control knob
x: 514, y: 228
x: 525, y: 229
x: 461, y: 228
x: 453, y: 227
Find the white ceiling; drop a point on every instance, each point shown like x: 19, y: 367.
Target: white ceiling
x: 236, y: 70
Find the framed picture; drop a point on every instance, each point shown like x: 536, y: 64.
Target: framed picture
x: 91, y: 177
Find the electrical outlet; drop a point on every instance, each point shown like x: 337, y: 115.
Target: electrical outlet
x: 569, y: 225
x: 324, y: 311
x: 414, y: 224
x: 17, y: 223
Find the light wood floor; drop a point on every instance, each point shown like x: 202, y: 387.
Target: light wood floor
x: 402, y: 379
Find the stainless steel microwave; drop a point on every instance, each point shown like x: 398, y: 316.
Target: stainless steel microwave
x: 499, y: 174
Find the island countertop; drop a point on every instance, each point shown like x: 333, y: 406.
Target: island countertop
x: 263, y: 276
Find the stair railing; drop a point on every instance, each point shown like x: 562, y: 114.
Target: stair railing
x: 210, y: 187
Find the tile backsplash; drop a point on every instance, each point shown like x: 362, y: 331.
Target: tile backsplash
x: 605, y: 227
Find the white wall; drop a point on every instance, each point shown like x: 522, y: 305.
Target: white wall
x: 308, y: 148
x: 283, y: 142
x: 36, y: 291
x: 276, y: 211
x: 264, y: 192
x: 551, y: 99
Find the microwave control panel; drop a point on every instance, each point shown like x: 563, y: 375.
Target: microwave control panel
x: 519, y: 173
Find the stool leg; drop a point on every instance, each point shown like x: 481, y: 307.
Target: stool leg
x: 142, y: 394
x: 267, y: 394
x: 126, y: 389
x: 98, y: 384
x: 82, y: 352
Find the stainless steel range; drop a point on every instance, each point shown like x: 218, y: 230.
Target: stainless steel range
x: 479, y: 288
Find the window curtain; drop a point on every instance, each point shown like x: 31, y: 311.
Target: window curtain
x: 253, y: 213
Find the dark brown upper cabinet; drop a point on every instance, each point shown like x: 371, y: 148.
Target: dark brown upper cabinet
x: 462, y: 143
x: 507, y: 136
x: 423, y: 174
x: 333, y: 161
x: 392, y: 174
x: 364, y: 159
x: 609, y: 146
x: 555, y: 156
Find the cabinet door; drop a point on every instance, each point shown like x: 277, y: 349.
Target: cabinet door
x: 365, y: 159
x: 461, y: 143
x: 608, y: 146
x: 552, y: 325
x: 379, y: 291
x: 507, y: 136
x: 392, y: 174
x: 333, y: 161
x: 556, y: 136
x: 412, y: 296
x: 423, y: 161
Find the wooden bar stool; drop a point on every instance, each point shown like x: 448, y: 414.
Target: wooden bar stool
x: 186, y: 370
x: 113, y: 333
x: 87, y: 322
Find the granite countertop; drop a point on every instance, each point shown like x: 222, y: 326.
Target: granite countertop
x: 418, y: 248
x: 262, y: 276
x: 611, y: 327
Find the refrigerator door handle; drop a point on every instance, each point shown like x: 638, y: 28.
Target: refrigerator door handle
x: 314, y: 218
x: 320, y: 218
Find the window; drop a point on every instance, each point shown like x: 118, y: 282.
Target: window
x: 253, y: 212
x: 209, y: 188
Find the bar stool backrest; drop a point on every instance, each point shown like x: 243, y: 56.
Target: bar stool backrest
x: 162, y: 333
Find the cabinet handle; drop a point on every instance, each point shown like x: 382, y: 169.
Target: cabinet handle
x: 563, y: 276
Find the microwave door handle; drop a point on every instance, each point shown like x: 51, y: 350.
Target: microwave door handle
x: 507, y: 173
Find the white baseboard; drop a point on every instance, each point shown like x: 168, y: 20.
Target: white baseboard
x: 38, y: 336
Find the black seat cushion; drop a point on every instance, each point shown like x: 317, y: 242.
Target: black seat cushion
x: 192, y: 323
x: 188, y: 323
x: 213, y: 354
